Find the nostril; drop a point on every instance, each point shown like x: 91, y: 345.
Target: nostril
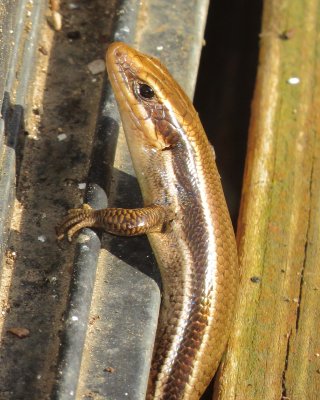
x: 114, y: 50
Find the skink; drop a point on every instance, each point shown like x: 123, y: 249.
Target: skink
x: 185, y: 217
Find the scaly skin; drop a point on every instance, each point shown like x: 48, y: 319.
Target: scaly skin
x: 190, y: 229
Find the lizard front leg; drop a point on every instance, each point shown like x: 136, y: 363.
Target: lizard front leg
x: 119, y: 221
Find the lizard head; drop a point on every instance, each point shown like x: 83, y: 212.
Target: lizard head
x: 153, y: 107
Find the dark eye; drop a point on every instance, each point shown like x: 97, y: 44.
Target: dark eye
x: 145, y: 91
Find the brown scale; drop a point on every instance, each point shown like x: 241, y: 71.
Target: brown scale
x: 119, y: 221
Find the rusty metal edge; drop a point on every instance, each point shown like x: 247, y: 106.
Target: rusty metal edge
x: 21, y: 51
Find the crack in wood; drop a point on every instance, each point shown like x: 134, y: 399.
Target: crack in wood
x: 283, y: 383
x: 306, y: 245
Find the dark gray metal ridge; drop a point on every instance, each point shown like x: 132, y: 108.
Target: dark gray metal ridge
x: 88, y: 242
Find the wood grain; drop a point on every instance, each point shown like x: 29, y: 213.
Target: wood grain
x: 274, y: 351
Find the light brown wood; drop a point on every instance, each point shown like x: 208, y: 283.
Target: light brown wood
x: 274, y: 351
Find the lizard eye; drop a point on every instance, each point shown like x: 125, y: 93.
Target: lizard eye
x: 145, y: 91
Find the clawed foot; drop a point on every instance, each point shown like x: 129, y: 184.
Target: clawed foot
x: 75, y: 219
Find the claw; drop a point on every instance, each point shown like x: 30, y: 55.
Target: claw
x: 75, y: 219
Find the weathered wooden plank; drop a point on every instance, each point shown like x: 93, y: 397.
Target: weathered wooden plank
x: 302, y: 375
x: 274, y: 349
